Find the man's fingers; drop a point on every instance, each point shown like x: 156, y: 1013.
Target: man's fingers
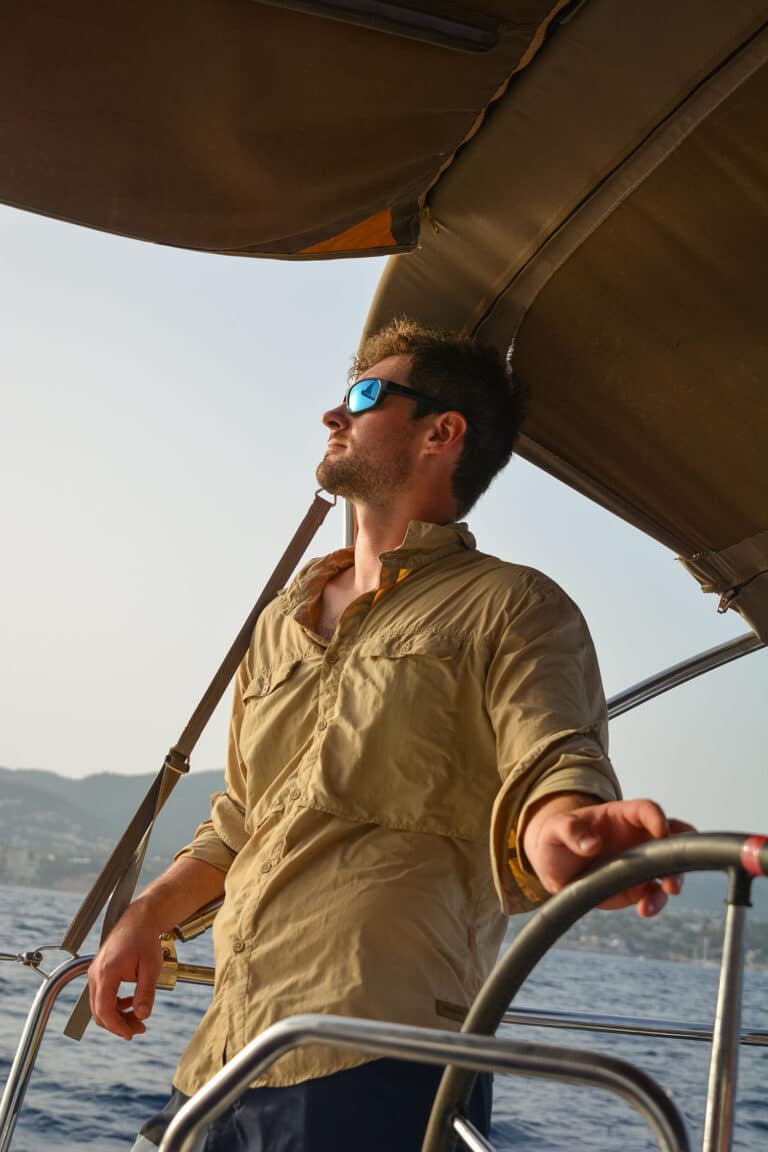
x: 648, y: 898
x: 580, y: 835
x: 566, y: 842
x: 144, y: 996
x: 102, y: 993
x: 123, y: 1015
x: 652, y: 902
x: 106, y: 1008
x: 678, y: 826
x: 116, y: 1014
x: 649, y: 818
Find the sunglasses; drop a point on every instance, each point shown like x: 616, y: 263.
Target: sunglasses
x: 366, y: 394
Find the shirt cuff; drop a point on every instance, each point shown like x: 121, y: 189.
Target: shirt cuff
x: 577, y: 764
x: 218, y: 840
x: 208, y: 847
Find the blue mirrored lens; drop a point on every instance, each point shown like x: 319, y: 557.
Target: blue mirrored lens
x: 363, y: 395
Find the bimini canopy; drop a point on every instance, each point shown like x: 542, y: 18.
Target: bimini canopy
x: 589, y: 180
x: 611, y: 219
x: 287, y: 128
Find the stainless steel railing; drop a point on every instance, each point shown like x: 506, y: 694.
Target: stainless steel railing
x: 430, y: 1046
x: 718, y: 850
x: 37, y: 1020
x: 625, y: 1025
x: 681, y: 673
x: 29, y: 1044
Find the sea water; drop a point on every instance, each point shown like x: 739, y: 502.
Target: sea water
x: 95, y: 1094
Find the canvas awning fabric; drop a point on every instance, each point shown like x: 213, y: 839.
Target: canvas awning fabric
x: 593, y: 185
x: 612, y: 220
x: 241, y: 127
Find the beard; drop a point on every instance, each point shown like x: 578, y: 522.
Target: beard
x: 367, y: 481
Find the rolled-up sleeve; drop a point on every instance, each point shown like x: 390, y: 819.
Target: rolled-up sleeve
x: 219, y: 838
x: 546, y: 702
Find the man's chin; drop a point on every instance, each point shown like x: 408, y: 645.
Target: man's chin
x: 332, y: 480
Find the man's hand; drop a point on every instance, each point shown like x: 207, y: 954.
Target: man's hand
x: 567, y: 833
x: 132, y: 952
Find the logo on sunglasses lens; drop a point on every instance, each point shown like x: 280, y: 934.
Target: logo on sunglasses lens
x: 370, y: 390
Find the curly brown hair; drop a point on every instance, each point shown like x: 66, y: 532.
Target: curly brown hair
x: 465, y: 376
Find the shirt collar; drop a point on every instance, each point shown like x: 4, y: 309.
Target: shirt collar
x: 422, y: 544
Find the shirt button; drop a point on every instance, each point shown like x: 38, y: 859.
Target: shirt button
x: 322, y: 725
x: 264, y: 691
x: 266, y: 866
x: 238, y: 945
x: 331, y: 659
x: 407, y: 646
x: 294, y: 794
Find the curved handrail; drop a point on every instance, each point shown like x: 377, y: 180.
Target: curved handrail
x: 686, y: 853
x: 431, y: 1046
x: 34, y: 1028
x: 26, y: 1052
x: 683, y: 853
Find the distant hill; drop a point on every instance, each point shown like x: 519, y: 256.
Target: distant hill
x: 56, y: 832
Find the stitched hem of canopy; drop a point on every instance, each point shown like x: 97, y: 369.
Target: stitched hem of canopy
x: 741, y: 574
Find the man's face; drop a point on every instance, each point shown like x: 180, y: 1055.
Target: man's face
x: 370, y: 456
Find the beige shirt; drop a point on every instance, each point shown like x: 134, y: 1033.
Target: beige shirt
x: 374, y: 785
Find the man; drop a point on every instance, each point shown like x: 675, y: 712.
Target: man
x: 399, y: 702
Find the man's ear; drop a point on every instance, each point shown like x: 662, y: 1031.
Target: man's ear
x: 445, y: 432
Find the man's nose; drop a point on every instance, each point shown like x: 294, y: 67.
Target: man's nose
x: 336, y: 418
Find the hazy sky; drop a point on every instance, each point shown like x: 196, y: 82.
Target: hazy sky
x: 159, y: 434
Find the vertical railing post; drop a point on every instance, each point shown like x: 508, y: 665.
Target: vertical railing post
x: 723, y: 1067
x: 29, y: 1044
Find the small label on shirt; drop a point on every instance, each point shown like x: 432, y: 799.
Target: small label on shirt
x: 451, y: 1011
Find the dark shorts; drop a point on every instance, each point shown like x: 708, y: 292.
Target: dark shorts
x: 382, y: 1106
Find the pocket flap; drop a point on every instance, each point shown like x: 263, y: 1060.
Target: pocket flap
x: 267, y: 679
x: 438, y: 645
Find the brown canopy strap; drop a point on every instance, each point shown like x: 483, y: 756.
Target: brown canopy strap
x: 121, y: 872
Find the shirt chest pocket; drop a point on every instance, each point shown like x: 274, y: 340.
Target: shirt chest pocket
x: 394, y: 756
x: 412, y: 680
x: 279, y: 712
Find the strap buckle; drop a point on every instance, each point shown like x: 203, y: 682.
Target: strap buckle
x: 177, y: 761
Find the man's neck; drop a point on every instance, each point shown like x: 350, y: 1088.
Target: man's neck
x: 378, y: 530
x: 382, y: 530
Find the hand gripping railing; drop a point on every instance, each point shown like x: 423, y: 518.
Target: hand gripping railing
x: 742, y: 857
x: 430, y: 1046
x: 53, y: 985
x: 37, y: 1020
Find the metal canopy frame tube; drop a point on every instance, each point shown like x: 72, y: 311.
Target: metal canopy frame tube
x: 681, y: 673
x: 463, y: 31
x: 431, y: 1046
